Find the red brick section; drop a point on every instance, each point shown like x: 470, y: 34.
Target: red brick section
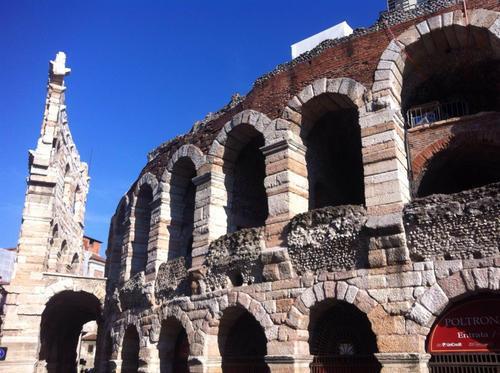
x: 427, y: 141
x: 356, y: 58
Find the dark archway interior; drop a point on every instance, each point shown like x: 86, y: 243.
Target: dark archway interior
x: 117, y: 231
x: 245, y: 169
x: 173, y: 347
x: 448, y: 74
x: 142, y: 228
x: 339, y: 328
x: 334, y: 160
x: 182, y: 203
x: 60, y: 328
x: 242, y: 342
x: 130, y: 351
x: 461, y: 166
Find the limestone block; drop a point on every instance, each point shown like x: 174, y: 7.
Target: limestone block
x: 420, y: 314
x: 453, y: 286
x: 435, y: 300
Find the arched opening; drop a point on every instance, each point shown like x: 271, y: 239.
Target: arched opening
x: 466, y: 337
x: 141, y: 230
x: 245, y: 170
x: 62, y: 257
x: 67, y: 195
x: 341, y: 339
x: 466, y: 163
x: 242, y: 342
x: 74, y: 267
x: 451, y: 72
x: 51, y: 264
x: 331, y: 132
x: 182, y: 200
x: 130, y: 350
x: 173, y: 347
x: 115, y: 242
x: 61, y: 328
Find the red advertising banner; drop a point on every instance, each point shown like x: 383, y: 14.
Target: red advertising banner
x: 472, y: 326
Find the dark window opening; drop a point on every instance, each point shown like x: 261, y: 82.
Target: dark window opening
x: 242, y: 342
x: 130, y: 351
x: 340, y: 337
x: 460, y: 167
x: 182, y: 204
x: 334, y: 160
x: 245, y: 173
x: 173, y: 347
x: 449, y: 83
x: 142, y: 230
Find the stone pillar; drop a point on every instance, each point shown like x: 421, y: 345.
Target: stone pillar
x: 210, y: 217
x: 286, y: 186
x: 403, y: 362
x: 156, y: 240
x: 386, y: 184
x: 128, y: 237
x: 149, y: 359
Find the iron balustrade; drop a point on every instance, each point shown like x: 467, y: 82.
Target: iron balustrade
x: 435, y: 111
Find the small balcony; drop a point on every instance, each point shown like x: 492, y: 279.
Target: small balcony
x: 435, y: 111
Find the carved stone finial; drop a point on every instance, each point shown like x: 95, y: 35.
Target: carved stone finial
x: 58, y: 66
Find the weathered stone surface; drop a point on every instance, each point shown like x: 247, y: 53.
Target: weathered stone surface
x: 434, y: 300
x: 172, y: 279
x: 235, y: 258
x: 135, y: 293
x: 456, y: 226
x: 328, y: 239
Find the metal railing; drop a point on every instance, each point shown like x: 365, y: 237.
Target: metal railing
x: 465, y: 363
x: 345, y: 364
x: 435, y: 111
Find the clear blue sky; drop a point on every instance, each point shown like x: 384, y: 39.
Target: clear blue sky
x: 143, y: 71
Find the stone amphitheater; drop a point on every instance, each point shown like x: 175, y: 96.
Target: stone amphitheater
x: 343, y: 216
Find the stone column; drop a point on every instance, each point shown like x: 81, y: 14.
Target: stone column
x: 210, y: 217
x: 386, y: 184
x: 286, y: 186
x: 157, y: 243
x: 149, y: 355
x: 128, y: 237
x: 403, y: 362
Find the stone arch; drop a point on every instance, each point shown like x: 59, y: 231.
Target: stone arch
x: 189, y: 151
x: 145, y: 193
x: 450, y: 289
x: 298, y: 316
x: 97, y: 288
x: 458, y: 155
x: 237, y: 159
x: 146, y: 179
x: 253, y: 118
x: 347, y: 87
x: 388, y: 85
x: 179, y: 197
x: 130, y: 349
x: 62, y: 319
x: 326, y: 115
x: 242, y: 338
x: 254, y: 307
x: 195, y: 337
x: 117, y: 259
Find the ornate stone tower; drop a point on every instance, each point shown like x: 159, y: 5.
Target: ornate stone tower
x: 50, y: 248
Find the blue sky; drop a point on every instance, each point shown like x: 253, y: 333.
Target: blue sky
x: 142, y: 72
